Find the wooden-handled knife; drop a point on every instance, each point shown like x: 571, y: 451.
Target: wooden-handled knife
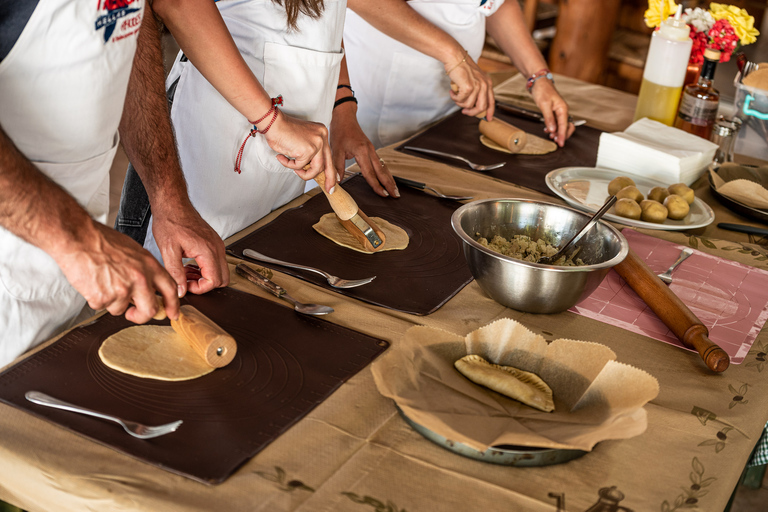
x: 211, y: 342
x: 352, y: 218
x: 672, y: 311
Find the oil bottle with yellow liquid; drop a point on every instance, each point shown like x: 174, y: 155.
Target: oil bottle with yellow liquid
x: 664, y: 71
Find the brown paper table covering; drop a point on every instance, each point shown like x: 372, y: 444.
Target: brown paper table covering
x: 354, y: 453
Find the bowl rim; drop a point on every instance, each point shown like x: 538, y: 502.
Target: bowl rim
x: 460, y: 212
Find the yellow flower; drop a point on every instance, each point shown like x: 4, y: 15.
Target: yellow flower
x: 743, y: 24
x: 658, y: 11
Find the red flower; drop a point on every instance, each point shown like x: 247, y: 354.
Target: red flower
x: 720, y: 37
x: 699, y: 45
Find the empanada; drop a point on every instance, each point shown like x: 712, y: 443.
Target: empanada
x: 525, y: 387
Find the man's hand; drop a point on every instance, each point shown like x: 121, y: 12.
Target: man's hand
x: 180, y: 232
x: 112, y: 272
x: 349, y: 141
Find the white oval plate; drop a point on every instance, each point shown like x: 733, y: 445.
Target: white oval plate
x: 586, y: 188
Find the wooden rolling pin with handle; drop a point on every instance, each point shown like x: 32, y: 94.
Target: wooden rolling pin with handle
x: 672, y: 311
x: 211, y: 342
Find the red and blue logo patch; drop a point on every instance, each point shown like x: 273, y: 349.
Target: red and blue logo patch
x: 119, y: 14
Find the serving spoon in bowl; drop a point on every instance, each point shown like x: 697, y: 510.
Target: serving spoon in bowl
x: 550, y: 260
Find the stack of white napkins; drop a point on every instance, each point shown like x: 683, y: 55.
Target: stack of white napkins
x: 657, y: 151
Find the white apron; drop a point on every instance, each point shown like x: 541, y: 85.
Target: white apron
x: 301, y: 65
x: 62, y: 90
x: 399, y: 89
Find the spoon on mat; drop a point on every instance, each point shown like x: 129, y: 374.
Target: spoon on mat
x: 549, y: 260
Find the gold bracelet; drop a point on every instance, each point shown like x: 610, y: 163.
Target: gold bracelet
x: 462, y: 61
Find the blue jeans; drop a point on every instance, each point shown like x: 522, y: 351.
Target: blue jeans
x: 134, y: 211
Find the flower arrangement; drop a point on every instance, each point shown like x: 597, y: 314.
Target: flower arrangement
x: 721, y: 27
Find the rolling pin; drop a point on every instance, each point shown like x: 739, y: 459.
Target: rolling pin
x: 211, y: 342
x: 672, y: 311
x: 504, y: 134
x: 365, y: 231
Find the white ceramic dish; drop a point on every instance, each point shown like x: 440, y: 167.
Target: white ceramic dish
x: 586, y: 188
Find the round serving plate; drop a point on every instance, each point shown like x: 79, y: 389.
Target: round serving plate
x: 735, y: 206
x: 586, y: 188
x: 505, y: 455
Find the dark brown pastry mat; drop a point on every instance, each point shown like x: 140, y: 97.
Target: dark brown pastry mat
x: 460, y: 135
x: 286, y: 364
x: 417, y: 280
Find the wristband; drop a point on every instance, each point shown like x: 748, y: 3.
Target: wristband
x: 345, y: 86
x: 344, y: 100
x: 252, y: 133
x: 543, y: 73
x: 462, y: 61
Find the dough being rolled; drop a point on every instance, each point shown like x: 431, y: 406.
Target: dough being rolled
x: 153, y: 352
x: 525, y: 387
x: 331, y: 228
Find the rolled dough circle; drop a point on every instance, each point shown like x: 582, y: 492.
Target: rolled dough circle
x: 330, y: 227
x: 153, y: 352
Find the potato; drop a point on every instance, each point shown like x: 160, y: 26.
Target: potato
x: 630, y: 192
x: 681, y: 189
x: 628, y: 208
x: 658, y: 194
x: 619, y: 183
x: 653, y: 211
x: 677, y: 206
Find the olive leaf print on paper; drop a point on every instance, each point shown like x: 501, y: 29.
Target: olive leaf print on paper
x: 693, y: 493
x: 369, y: 501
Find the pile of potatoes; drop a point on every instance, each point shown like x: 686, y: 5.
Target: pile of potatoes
x: 673, y: 202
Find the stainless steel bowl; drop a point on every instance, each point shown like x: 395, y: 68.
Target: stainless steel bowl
x: 531, y: 287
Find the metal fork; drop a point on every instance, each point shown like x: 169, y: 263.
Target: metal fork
x: 667, y: 275
x: 334, y: 281
x: 133, y: 428
x: 423, y: 186
x: 474, y: 166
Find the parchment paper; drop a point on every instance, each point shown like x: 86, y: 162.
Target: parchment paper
x: 596, y: 397
x: 742, y: 184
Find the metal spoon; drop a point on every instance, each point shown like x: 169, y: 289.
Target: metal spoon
x: 549, y: 260
x: 334, y: 281
x: 278, y: 291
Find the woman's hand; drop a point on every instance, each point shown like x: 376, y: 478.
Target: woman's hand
x: 302, y: 146
x: 471, y: 88
x: 555, y: 111
x: 349, y: 141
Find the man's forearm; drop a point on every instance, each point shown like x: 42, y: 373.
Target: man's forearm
x: 35, y: 208
x: 145, y: 128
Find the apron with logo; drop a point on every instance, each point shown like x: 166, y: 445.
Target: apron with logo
x: 301, y: 65
x: 399, y: 89
x: 62, y: 90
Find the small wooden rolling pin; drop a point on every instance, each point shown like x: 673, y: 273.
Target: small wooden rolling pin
x: 672, y: 311
x: 211, y: 342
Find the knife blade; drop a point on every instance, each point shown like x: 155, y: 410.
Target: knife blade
x: 743, y: 228
x: 532, y: 114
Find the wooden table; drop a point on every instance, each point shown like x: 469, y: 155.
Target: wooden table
x: 355, y: 453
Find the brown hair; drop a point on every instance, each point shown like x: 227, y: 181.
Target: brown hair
x: 311, y: 8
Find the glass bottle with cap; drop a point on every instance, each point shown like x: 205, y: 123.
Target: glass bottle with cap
x: 700, y: 101
x: 665, y: 70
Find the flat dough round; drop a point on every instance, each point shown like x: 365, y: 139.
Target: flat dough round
x: 153, y: 352
x: 525, y: 387
x: 533, y: 146
x: 330, y: 227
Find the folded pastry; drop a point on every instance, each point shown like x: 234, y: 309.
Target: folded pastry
x: 525, y: 387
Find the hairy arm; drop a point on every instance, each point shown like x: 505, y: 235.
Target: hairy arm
x: 109, y: 269
x: 507, y: 27
x: 145, y: 129
x: 202, y: 34
x: 400, y: 22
